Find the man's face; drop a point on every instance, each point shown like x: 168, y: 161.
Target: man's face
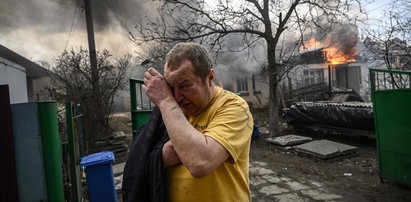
x: 191, y: 93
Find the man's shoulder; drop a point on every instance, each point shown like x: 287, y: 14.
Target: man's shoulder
x: 228, y: 97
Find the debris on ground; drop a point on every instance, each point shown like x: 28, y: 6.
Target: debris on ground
x: 116, y: 143
x: 288, y: 140
x: 263, y: 130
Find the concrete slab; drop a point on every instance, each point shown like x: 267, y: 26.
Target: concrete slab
x: 325, y: 149
x: 258, y: 163
x: 257, y: 180
x: 296, y: 186
x: 288, y: 140
x: 317, y: 184
x: 260, y: 171
x: 272, y: 189
x: 289, y: 198
x: 272, y: 179
x: 286, y: 179
x: 318, y: 195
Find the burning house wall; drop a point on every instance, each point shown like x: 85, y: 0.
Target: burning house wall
x: 338, y: 52
x: 337, y: 58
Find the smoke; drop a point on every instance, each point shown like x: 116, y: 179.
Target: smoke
x: 53, y: 13
x: 42, y: 29
x: 343, y: 37
x: 240, y: 61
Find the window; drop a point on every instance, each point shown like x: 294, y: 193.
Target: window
x: 313, y: 76
x: 242, y: 84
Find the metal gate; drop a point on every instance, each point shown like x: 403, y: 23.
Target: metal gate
x: 391, y: 96
x: 141, y: 106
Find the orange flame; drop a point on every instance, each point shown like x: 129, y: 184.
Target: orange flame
x: 311, y: 44
x: 332, y: 54
x: 335, y: 56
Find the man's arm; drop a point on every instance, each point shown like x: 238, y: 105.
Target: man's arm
x: 200, y: 154
x: 170, y: 156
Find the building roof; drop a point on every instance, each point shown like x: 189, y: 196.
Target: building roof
x: 33, y: 70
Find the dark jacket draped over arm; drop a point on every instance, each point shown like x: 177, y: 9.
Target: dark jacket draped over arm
x: 144, y: 178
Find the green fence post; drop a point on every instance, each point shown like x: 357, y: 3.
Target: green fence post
x: 75, y: 178
x: 133, y: 103
x: 51, y: 150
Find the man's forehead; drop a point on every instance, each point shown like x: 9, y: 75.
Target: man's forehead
x: 173, y: 75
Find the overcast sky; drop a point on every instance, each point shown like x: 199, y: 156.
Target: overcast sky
x: 41, y: 29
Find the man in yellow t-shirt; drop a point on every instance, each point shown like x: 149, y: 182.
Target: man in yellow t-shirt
x: 207, y: 156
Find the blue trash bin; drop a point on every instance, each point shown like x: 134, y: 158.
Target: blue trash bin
x: 99, y: 176
x: 256, y: 132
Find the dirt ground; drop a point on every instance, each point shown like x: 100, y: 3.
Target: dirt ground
x: 354, y: 178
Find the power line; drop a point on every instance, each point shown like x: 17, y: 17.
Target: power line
x: 64, y: 2
x: 73, y: 26
x: 123, y: 25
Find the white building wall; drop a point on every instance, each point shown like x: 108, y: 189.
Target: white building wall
x: 296, y: 74
x: 39, y: 89
x: 15, y: 76
x: 364, y: 91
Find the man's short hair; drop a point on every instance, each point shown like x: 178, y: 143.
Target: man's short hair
x: 195, y: 53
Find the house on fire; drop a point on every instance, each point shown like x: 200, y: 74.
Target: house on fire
x: 319, y: 74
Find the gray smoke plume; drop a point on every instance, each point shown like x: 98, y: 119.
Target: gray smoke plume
x: 344, y: 37
x: 240, y: 61
x: 52, y: 13
x: 42, y: 29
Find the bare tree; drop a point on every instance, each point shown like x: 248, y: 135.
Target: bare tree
x: 211, y: 22
x: 72, y: 81
x: 388, y: 40
x: 388, y: 37
x: 153, y: 55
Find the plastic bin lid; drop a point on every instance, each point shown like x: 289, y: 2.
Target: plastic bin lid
x: 104, y: 157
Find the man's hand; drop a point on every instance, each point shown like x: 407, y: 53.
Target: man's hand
x: 156, y: 87
x: 170, y: 157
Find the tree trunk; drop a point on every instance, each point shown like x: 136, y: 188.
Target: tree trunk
x: 94, y: 124
x: 272, y: 82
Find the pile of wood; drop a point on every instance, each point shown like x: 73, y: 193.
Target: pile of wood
x: 116, y: 143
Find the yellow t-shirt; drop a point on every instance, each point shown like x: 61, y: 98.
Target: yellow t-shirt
x: 227, y: 120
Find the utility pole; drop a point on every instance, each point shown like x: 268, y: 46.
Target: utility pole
x: 92, y: 49
x: 97, y: 115
x: 329, y: 82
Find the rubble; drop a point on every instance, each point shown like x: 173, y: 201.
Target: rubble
x: 288, y: 140
x: 263, y: 130
x: 115, y: 143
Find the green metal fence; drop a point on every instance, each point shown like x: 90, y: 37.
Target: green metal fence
x: 51, y: 150
x: 73, y: 152
x: 141, y: 106
x: 391, y: 96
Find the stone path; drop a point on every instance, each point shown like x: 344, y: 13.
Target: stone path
x: 266, y: 185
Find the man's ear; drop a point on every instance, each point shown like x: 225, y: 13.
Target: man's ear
x: 211, y: 77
